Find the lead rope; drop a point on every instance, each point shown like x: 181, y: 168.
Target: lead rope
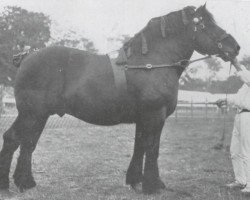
x: 220, y: 145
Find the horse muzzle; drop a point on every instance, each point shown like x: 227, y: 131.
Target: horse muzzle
x: 229, y: 55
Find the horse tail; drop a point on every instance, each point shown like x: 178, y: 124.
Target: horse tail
x: 18, y: 58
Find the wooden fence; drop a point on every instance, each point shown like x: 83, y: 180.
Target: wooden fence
x: 203, y: 110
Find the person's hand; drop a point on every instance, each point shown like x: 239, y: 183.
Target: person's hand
x: 221, y: 102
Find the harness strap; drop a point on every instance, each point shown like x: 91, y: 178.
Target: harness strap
x: 182, y: 63
x: 119, y: 78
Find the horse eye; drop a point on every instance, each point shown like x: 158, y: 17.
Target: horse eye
x: 202, y: 26
x: 219, y: 45
x: 196, y: 20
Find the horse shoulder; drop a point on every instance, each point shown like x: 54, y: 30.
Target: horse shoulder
x: 155, y: 88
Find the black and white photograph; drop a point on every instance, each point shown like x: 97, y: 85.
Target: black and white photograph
x: 124, y: 100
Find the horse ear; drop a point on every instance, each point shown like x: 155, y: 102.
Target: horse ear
x: 204, y: 6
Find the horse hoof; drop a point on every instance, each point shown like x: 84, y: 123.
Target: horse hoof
x: 4, y: 183
x: 5, y: 194
x: 153, y: 187
x: 161, y: 185
x: 23, y: 187
x: 24, y: 183
x: 137, y: 187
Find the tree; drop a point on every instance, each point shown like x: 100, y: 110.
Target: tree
x: 20, y: 28
x: 229, y: 86
x: 71, y: 39
x: 246, y: 62
x: 123, y: 38
x: 213, y: 64
x: 191, y: 79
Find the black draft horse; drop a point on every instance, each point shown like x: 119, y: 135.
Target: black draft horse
x: 59, y: 80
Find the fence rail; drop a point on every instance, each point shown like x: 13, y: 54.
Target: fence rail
x: 201, y: 110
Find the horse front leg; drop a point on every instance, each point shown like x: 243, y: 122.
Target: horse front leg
x: 134, y: 172
x: 153, y: 123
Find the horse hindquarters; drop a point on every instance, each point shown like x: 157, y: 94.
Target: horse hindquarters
x: 147, y: 141
x: 25, y: 132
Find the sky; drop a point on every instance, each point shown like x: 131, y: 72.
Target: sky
x: 98, y: 20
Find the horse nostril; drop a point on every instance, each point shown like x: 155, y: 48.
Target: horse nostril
x: 238, y: 48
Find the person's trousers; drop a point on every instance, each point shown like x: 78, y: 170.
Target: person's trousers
x: 240, y: 148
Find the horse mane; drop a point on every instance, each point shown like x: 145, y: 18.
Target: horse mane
x: 172, y: 25
x: 165, y: 26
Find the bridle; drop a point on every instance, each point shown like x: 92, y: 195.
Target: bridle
x: 199, y: 26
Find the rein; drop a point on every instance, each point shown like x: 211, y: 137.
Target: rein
x: 183, y: 63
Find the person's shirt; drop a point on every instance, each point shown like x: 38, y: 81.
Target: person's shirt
x: 241, y: 99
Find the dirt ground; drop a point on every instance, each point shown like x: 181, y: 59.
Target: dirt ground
x: 90, y: 162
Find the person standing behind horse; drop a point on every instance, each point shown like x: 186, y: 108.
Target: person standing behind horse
x: 240, y: 142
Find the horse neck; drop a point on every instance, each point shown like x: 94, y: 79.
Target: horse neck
x: 165, y: 51
x: 161, y: 50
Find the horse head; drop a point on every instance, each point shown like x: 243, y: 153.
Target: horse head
x: 207, y: 36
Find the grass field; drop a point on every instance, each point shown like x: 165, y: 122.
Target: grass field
x: 89, y: 162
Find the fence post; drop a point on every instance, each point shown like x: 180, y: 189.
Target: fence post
x: 192, y: 114
x: 176, y: 114
x: 206, y: 107
x: 1, y: 100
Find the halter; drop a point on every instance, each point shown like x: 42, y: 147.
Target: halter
x: 200, y: 26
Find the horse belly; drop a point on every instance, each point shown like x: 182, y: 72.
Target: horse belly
x: 99, y: 104
x: 100, y: 113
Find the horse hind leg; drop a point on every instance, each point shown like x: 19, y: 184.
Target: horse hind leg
x: 10, y: 144
x: 29, y: 128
